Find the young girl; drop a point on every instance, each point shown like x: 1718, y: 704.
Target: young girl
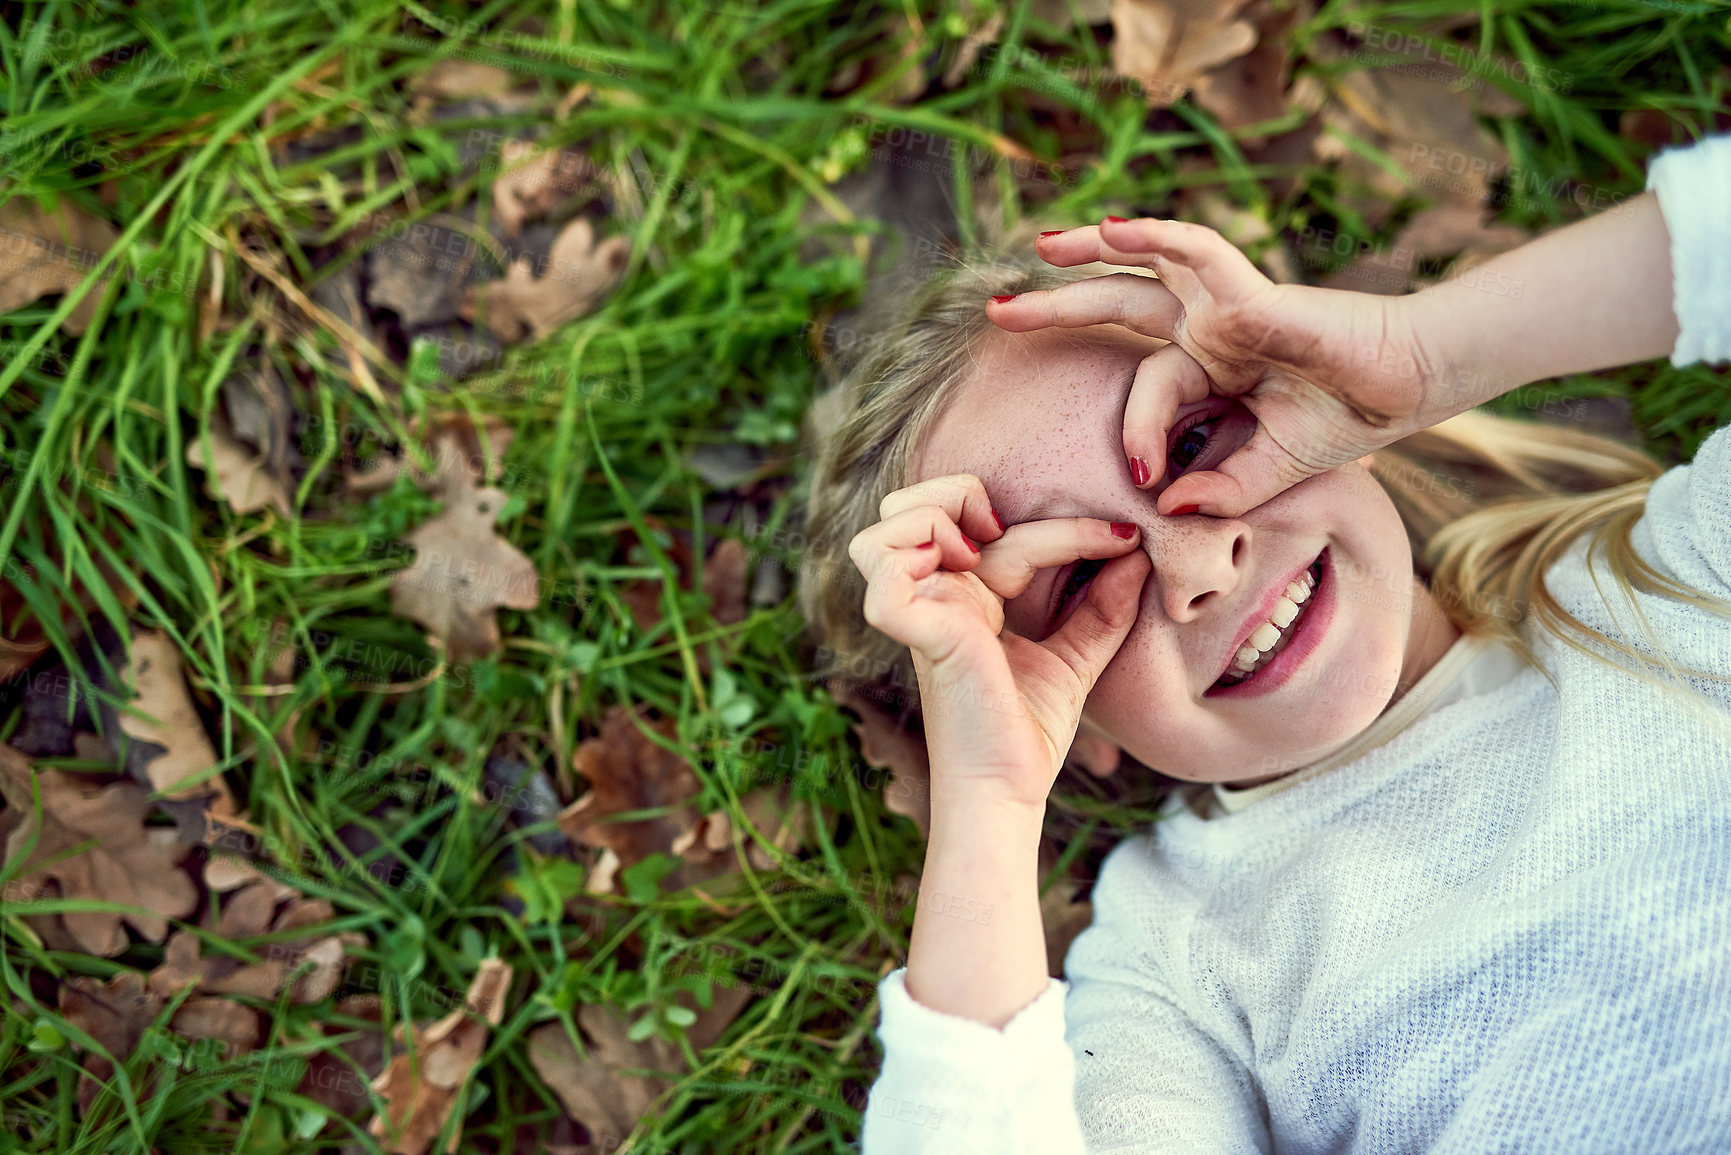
x: 1454, y: 692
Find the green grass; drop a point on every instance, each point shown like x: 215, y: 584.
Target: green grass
x: 720, y: 115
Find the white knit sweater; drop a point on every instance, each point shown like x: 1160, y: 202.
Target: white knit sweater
x: 1499, y: 921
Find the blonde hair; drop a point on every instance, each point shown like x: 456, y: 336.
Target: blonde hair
x: 1488, y: 502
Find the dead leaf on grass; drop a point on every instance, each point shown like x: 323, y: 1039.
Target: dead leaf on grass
x: 579, y: 275
x: 538, y: 182
x: 115, y: 1014
x: 1166, y: 46
x: 1062, y: 919
x: 460, y: 79
x: 626, y: 772
x: 420, y: 1089
x: 129, y: 863
x: 463, y: 455
x: 463, y: 572
x: 238, y: 476
x: 1252, y: 88
x: 45, y: 252
x: 597, y: 1088
x: 886, y: 745
x: 154, y: 674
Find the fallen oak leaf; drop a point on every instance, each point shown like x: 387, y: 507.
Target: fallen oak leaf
x: 115, y: 1014
x: 129, y: 864
x: 463, y: 571
x: 420, y: 1088
x: 1251, y: 88
x: 627, y: 772
x: 580, y: 273
x: 51, y: 252
x: 886, y: 745
x: 537, y: 182
x: 1167, y: 46
x: 597, y: 1089
x: 153, y: 673
x: 463, y: 454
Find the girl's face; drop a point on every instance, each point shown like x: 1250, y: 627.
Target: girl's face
x: 1041, y: 424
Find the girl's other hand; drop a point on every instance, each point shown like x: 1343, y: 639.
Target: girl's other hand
x: 1329, y: 374
x: 1000, y: 711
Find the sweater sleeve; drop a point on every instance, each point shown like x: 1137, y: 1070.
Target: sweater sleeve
x: 1693, y: 185
x: 1150, y: 1076
x: 1110, y: 1061
x: 954, y: 1086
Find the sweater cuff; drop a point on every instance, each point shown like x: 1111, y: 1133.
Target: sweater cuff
x: 1022, y: 1050
x: 953, y: 1086
x: 1694, y: 190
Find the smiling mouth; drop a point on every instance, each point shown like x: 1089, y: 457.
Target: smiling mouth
x: 1245, y: 667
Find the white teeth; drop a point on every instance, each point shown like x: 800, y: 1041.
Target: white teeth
x: 1268, y: 633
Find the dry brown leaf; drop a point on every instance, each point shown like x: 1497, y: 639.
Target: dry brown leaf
x: 238, y: 476
x: 580, y: 273
x: 1167, y: 45
x: 724, y: 580
x: 463, y: 455
x: 460, y: 79
x: 222, y: 1019
x: 1252, y: 88
x: 596, y: 1089
x: 538, y: 182
x: 886, y: 745
x: 420, y: 1089
x: 463, y: 572
x: 153, y: 672
x: 1063, y: 918
x: 115, y: 1014
x: 627, y: 771
x: 50, y: 252
x: 128, y: 864
x: 1426, y: 125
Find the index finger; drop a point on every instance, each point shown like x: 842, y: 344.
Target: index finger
x: 1008, y: 565
x: 1138, y: 303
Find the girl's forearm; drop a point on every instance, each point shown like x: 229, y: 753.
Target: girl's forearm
x: 1591, y: 295
x: 978, y: 950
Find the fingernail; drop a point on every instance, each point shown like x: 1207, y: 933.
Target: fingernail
x: 999, y: 520
x: 1001, y: 300
x: 927, y: 544
x: 970, y: 542
x: 1138, y: 472
x: 1182, y: 509
x: 1116, y: 220
x: 1123, y: 529
x: 1053, y: 233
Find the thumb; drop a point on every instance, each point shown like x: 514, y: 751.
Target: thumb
x: 1257, y: 471
x: 1092, y: 634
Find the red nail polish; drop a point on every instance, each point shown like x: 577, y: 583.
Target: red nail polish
x: 1123, y: 529
x: 1182, y: 509
x: 927, y: 544
x: 1053, y: 233
x: 1116, y: 220
x: 970, y: 542
x: 1001, y: 300
x: 1138, y: 472
x: 999, y: 520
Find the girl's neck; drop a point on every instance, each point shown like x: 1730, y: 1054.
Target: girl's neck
x: 1431, y: 636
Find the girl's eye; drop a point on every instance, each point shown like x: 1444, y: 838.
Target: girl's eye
x: 1193, y: 441
x: 1079, y: 577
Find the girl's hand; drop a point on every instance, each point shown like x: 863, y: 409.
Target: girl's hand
x: 1330, y: 375
x: 999, y: 710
